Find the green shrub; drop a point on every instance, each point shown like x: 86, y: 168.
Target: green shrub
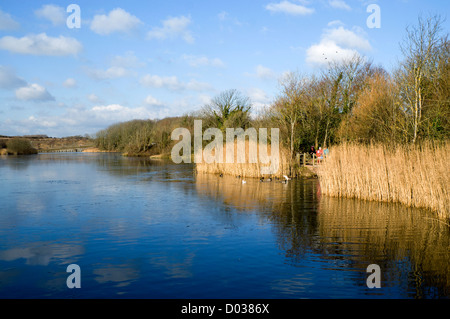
x: 20, y: 146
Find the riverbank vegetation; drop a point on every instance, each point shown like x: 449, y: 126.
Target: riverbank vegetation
x: 44, y: 143
x: 415, y: 175
x: 142, y: 137
x: 386, y: 131
x: 350, y: 100
x: 17, y: 146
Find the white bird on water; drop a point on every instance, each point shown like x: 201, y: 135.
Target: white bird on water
x: 243, y: 181
x: 286, y: 178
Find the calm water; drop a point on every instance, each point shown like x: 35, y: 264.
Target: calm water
x: 147, y: 229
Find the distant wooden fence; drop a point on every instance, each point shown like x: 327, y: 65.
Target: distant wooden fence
x: 66, y: 150
x: 304, y: 159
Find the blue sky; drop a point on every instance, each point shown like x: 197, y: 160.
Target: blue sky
x: 153, y: 59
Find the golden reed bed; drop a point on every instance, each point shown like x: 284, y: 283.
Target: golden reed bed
x: 247, y: 169
x: 417, y: 176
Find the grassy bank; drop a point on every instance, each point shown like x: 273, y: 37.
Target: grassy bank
x: 416, y: 176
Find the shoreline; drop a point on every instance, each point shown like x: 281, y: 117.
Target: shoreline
x: 95, y: 150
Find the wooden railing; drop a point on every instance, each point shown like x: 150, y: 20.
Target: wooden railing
x: 304, y: 159
x: 64, y: 150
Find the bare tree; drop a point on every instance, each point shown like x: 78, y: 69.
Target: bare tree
x: 228, y: 109
x: 347, y: 78
x: 418, y: 67
x: 289, y: 108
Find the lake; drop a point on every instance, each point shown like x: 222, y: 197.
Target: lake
x: 141, y: 228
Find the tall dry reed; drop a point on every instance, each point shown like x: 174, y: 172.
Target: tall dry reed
x: 247, y: 169
x: 416, y: 176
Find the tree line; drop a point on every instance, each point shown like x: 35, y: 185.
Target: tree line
x: 350, y: 100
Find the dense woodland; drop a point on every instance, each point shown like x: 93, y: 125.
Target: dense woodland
x: 353, y: 100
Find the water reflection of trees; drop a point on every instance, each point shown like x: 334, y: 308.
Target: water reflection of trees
x: 400, y: 239
x: 377, y: 232
x: 145, y: 168
x: 18, y: 163
x: 291, y: 207
x: 116, y: 164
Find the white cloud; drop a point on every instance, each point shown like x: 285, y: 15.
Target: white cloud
x: 46, y: 123
x: 33, y: 92
x: 129, y: 60
x: 265, y: 73
x: 336, y: 45
x: 113, y: 72
x: 118, y: 112
x: 173, y: 28
x: 70, y: 83
x: 121, y: 66
x: 169, y: 82
x: 172, y: 83
x: 204, y: 99
x: 339, y: 4
x: 80, y: 120
x: 118, y: 20
x: 53, y: 13
x: 7, y: 22
x: 32, y: 120
x: 225, y: 17
x: 335, y: 23
x: 23, y: 90
x: 328, y: 51
x: 196, y: 61
x: 194, y: 85
x: 100, y: 116
x: 222, y: 16
x: 41, y: 44
x: 93, y: 98
x: 151, y: 101
x: 9, y: 80
x: 258, y: 97
x: 289, y: 8
x: 262, y: 72
x: 348, y: 38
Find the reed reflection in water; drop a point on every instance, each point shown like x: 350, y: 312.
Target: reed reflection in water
x: 411, y: 247
x: 382, y: 233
